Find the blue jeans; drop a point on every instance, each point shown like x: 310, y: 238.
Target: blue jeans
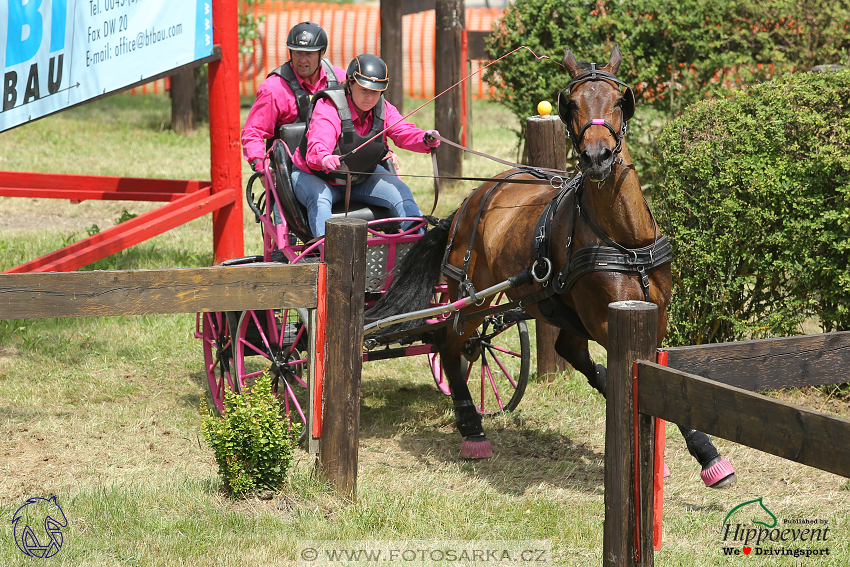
x: 383, y: 190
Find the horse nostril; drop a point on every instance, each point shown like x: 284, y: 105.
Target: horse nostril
x: 604, y: 156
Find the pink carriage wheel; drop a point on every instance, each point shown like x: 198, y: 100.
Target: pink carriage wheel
x: 277, y: 342
x: 218, y: 355
x: 438, y: 374
x: 495, y: 362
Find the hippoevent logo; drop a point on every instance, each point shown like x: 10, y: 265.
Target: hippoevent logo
x: 38, y: 527
x: 750, y: 528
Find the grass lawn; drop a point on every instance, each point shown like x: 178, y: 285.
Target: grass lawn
x: 104, y: 412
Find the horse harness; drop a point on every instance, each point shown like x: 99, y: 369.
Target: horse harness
x: 609, y: 256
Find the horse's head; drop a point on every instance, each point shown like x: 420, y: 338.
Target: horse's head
x: 596, y: 113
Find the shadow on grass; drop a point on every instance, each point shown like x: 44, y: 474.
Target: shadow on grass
x: 523, y: 456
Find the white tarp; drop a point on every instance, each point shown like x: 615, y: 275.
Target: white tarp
x: 59, y: 53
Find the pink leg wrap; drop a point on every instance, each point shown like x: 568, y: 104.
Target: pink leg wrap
x: 476, y: 450
x: 666, y: 470
x: 718, y: 472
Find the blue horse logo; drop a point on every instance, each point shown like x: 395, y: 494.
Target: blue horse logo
x: 42, y: 544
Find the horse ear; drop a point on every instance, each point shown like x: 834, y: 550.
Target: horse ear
x: 614, y: 62
x: 570, y: 63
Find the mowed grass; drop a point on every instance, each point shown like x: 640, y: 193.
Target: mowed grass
x: 104, y: 412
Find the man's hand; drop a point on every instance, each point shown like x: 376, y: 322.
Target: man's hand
x: 330, y: 162
x: 257, y: 165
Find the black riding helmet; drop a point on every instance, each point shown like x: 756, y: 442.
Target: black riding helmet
x: 369, y: 71
x: 307, y: 36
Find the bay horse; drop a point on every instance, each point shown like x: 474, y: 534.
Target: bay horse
x: 579, y: 245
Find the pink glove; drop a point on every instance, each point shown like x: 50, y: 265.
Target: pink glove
x: 330, y: 162
x: 430, y: 140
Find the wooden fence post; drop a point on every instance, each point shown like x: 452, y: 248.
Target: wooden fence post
x: 547, y: 147
x: 450, y: 17
x: 632, y: 332
x: 345, y: 256
x: 392, y: 50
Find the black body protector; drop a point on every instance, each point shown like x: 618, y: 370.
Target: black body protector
x: 364, y: 160
x: 302, y: 97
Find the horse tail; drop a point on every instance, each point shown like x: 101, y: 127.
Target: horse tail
x: 414, y: 278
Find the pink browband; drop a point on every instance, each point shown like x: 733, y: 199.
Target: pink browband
x: 598, y: 121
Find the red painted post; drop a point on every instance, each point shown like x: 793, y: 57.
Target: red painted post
x: 225, y: 154
x: 658, y: 477
x: 464, y: 57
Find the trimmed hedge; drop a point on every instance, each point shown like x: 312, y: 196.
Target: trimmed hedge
x: 754, y: 192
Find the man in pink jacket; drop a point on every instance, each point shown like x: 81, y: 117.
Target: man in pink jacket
x: 351, y: 117
x: 284, y: 97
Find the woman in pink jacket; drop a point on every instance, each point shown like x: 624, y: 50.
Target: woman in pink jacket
x: 344, y: 118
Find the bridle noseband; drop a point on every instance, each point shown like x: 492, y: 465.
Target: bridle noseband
x: 565, y: 112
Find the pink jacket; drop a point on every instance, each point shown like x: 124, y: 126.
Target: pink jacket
x: 275, y: 105
x: 325, y: 128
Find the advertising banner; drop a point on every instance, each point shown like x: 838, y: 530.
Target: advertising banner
x: 59, y: 53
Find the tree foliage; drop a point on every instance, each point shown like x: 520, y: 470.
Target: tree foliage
x: 675, y: 52
x: 754, y: 193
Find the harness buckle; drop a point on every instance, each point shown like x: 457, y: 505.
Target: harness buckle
x: 540, y: 237
x: 633, y: 260
x: 559, y: 185
x: 643, y: 278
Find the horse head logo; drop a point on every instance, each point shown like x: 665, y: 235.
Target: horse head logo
x: 39, y: 512
x: 755, y: 510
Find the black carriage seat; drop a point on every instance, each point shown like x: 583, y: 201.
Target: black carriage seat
x: 292, y: 209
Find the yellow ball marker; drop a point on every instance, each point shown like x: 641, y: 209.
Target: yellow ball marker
x: 544, y: 108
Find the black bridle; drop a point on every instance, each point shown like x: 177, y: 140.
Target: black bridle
x: 627, y: 108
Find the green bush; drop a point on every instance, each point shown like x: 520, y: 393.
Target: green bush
x: 754, y: 192
x: 252, y: 445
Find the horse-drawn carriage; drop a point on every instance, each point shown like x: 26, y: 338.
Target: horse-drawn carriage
x: 240, y: 346
x: 527, y: 243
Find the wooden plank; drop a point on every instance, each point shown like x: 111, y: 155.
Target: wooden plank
x: 475, y: 46
x: 769, y: 364
x: 345, y: 255
x: 782, y: 429
x: 414, y: 6
x: 138, y: 292
x: 632, y: 328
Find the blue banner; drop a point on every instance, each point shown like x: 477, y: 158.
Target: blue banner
x: 58, y: 54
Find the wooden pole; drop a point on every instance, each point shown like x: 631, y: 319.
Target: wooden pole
x: 632, y: 331
x: 182, y: 101
x: 225, y: 148
x: 450, y: 19
x: 547, y: 147
x: 345, y: 256
x: 392, y: 51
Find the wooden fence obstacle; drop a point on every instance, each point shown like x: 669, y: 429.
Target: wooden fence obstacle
x: 237, y: 288
x: 718, y: 403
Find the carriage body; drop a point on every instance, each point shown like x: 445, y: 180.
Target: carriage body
x: 240, y: 347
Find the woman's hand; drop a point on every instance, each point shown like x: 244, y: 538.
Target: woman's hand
x: 430, y: 139
x: 330, y: 162
x: 395, y: 161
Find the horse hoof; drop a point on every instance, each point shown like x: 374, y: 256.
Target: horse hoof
x: 719, y: 474
x: 476, y: 449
